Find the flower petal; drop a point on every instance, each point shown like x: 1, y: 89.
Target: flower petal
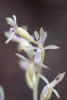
x: 51, y: 47
x: 10, y: 35
x: 44, y: 66
x: 37, y: 57
x: 44, y: 78
x: 56, y: 93
x: 24, y: 65
x: 14, y: 18
x: 43, y: 36
x: 36, y: 34
x: 22, y: 57
x: 30, y: 47
x: 14, y: 39
x: 46, y: 93
x: 11, y: 21
x: 57, y: 80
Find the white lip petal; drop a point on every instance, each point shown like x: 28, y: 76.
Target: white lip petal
x: 16, y: 38
x: 46, y: 93
x: 36, y: 35
x: 56, y: 93
x: 43, y: 35
x: 51, y: 47
x: 11, y: 35
x: 37, y: 57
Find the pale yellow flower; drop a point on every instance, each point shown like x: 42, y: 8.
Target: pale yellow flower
x: 49, y: 88
x: 22, y: 43
x: 40, y: 50
x: 19, y: 30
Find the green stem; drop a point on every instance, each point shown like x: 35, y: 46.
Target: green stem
x: 35, y: 88
x: 35, y: 92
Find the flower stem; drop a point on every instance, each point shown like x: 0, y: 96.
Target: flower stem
x: 35, y: 92
x: 35, y: 88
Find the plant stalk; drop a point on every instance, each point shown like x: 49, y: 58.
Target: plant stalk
x: 35, y: 88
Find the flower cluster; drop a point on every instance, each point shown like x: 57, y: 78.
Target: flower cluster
x: 33, y: 64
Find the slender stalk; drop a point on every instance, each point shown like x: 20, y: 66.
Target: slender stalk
x: 35, y: 92
x: 35, y: 88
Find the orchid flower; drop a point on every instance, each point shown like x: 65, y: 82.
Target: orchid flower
x: 30, y: 68
x: 22, y: 43
x: 10, y: 35
x: 39, y: 56
x: 18, y: 30
x: 2, y: 96
x: 49, y: 88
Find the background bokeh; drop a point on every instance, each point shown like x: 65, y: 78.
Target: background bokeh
x: 52, y: 16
